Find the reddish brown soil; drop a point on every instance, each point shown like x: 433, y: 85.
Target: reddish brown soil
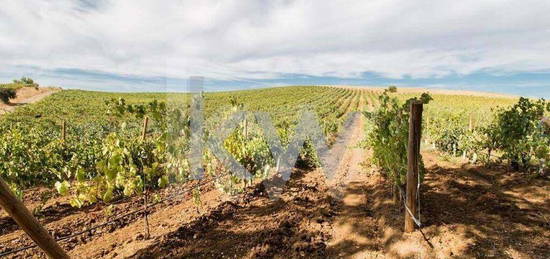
x: 486, y: 212
x: 467, y: 212
x: 62, y: 220
x: 296, y: 225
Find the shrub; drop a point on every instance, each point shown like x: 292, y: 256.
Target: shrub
x: 519, y: 133
x: 7, y: 94
x: 27, y: 81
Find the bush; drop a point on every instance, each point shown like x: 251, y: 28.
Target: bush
x: 520, y: 134
x: 7, y: 94
x: 27, y: 81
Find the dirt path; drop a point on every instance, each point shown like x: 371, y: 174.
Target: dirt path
x: 27, y: 95
x: 352, y: 228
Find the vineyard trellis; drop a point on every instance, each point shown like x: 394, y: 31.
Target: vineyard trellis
x: 116, y: 144
x: 30, y: 225
x: 112, y: 160
x: 90, y: 229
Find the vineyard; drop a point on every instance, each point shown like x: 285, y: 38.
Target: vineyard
x: 112, y: 175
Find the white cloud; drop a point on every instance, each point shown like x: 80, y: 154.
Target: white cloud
x: 263, y: 39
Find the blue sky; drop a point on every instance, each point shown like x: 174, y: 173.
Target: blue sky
x: 535, y: 84
x: 494, y: 46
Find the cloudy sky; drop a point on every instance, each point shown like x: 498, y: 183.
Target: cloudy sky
x: 500, y: 46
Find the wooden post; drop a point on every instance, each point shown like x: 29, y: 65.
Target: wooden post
x: 245, y: 127
x: 28, y: 223
x: 145, y: 124
x: 145, y: 192
x: 415, y: 133
x: 146, y: 206
x: 63, y: 131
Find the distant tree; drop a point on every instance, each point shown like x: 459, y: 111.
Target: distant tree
x: 392, y: 89
x: 6, y: 94
x: 27, y: 81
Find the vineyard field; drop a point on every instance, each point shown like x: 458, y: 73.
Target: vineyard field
x: 91, y: 165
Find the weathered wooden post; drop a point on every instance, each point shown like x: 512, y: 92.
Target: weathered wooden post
x: 23, y: 217
x: 63, y: 131
x: 145, y: 192
x: 145, y: 125
x: 413, y: 154
x: 245, y: 127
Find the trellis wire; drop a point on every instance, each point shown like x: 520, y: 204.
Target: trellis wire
x: 415, y: 219
x: 112, y: 221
